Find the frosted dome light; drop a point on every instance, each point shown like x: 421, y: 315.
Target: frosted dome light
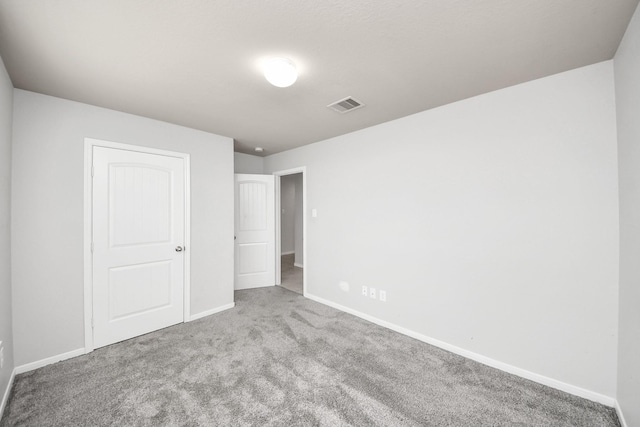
x: 280, y: 72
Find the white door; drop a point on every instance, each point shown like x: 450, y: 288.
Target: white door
x: 138, y: 237
x: 255, y: 231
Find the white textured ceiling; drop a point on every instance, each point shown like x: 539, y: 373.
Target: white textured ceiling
x: 196, y: 62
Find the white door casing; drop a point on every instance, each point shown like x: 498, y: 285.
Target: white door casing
x: 138, y: 222
x: 254, y: 231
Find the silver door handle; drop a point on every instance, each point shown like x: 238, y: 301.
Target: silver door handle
x: 179, y: 248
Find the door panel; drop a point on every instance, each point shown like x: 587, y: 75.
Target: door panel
x: 140, y: 205
x: 255, y: 231
x: 134, y: 289
x: 253, y: 205
x: 138, y: 221
x: 253, y: 258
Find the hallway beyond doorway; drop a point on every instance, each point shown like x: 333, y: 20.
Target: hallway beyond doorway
x: 291, y: 275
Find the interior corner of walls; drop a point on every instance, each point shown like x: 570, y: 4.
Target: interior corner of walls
x: 7, y: 392
x: 620, y: 414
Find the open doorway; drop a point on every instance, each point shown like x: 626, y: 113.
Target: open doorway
x: 290, y: 229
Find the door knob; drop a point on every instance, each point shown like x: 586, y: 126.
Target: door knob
x: 179, y: 248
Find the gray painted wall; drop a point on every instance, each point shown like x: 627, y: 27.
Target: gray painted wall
x: 287, y: 214
x: 47, y: 215
x: 627, y: 80
x: 6, y: 331
x: 492, y: 223
x: 246, y: 163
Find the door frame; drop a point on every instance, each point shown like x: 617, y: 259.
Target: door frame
x: 89, y: 143
x: 277, y: 260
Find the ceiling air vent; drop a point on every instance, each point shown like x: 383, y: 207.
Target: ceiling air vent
x: 345, y: 105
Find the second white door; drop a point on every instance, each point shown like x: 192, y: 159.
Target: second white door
x: 255, y: 231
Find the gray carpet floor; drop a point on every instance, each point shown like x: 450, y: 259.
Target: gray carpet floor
x: 278, y: 359
x: 291, y: 276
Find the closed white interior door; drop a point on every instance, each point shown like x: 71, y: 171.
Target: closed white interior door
x: 255, y: 231
x: 138, y: 226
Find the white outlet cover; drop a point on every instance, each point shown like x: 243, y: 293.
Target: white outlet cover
x: 365, y: 291
x: 383, y: 296
x: 372, y: 292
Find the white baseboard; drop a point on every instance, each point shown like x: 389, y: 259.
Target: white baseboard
x: 288, y: 253
x: 236, y: 288
x: 48, y: 361
x: 212, y: 311
x: 559, y: 385
x: 623, y: 423
x: 79, y: 352
x: 7, y: 392
x: 295, y: 264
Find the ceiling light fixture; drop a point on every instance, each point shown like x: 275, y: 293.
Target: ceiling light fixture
x: 280, y: 72
x: 259, y: 149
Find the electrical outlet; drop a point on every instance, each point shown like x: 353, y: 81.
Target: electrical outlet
x: 372, y: 292
x: 383, y: 296
x: 344, y: 286
x: 365, y: 291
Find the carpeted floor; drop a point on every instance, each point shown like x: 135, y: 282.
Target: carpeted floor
x: 291, y: 276
x: 278, y: 359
